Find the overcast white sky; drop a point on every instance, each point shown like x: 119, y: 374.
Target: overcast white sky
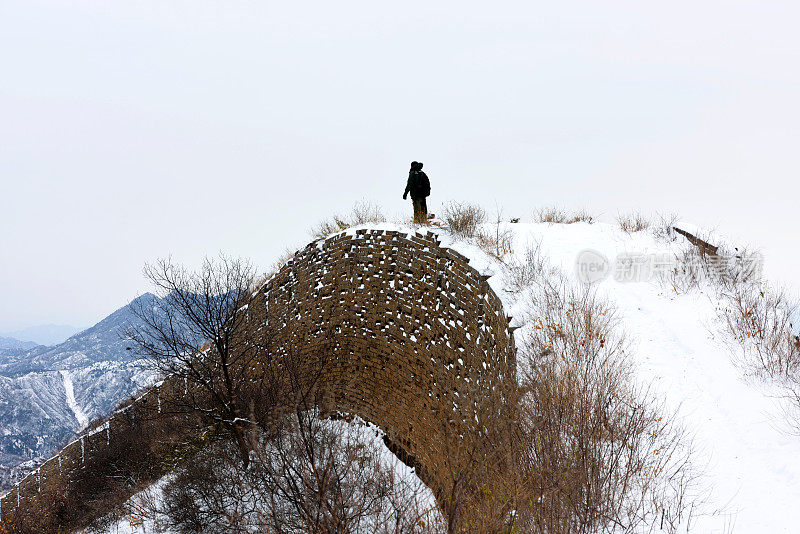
x: 132, y: 130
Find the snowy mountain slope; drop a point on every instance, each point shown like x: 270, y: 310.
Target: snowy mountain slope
x: 10, y: 343
x: 50, y: 393
x: 101, y: 343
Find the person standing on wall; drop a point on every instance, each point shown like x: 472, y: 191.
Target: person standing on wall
x: 420, y: 187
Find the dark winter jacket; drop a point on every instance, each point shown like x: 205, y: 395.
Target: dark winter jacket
x: 418, y: 184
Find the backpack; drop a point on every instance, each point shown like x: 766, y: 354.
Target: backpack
x: 423, y: 185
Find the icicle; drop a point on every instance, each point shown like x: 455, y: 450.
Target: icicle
x: 108, y: 433
x: 185, y: 385
x: 158, y: 394
x: 39, y: 479
x: 83, y: 452
x: 59, y: 461
x: 17, y: 496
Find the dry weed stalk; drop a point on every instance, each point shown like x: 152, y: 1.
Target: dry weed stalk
x: 463, y: 219
x: 557, y: 215
x: 362, y: 213
x: 633, y: 222
x: 497, y: 241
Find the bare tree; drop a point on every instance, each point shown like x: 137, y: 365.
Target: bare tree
x: 315, y: 475
x: 197, y: 333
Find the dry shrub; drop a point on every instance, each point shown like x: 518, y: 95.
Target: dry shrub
x: 602, y: 455
x: 497, y: 240
x: 467, y: 221
x: 633, y: 222
x: 663, y: 229
x: 88, y: 492
x: 463, y: 219
x: 311, y: 475
x: 561, y: 216
x: 721, y: 273
x: 761, y: 321
x: 763, y: 326
x: 362, y: 213
x: 520, y: 273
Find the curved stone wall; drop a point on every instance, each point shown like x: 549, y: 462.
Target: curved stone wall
x: 410, y: 337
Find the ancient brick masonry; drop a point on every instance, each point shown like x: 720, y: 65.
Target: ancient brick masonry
x: 414, y: 338
x: 410, y: 336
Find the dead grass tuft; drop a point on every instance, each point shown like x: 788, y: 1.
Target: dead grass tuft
x: 463, y: 219
x: 633, y: 222
x: 362, y: 213
x: 558, y: 215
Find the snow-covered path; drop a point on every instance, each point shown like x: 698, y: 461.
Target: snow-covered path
x: 751, y: 462
x: 69, y: 389
x: 753, y: 465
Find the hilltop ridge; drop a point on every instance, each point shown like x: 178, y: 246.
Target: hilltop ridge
x: 679, y: 346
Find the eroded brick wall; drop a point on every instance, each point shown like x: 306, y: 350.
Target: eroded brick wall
x: 412, y: 338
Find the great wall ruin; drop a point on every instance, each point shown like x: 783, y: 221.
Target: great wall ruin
x: 414, y: 340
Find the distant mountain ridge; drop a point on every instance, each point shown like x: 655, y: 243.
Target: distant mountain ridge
x: 10, y: 345
x: 48, y: 334
x: 94, y: 365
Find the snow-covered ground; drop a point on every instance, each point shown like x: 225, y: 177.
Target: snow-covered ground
x: 69, y: 389
x: 751, y: 462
